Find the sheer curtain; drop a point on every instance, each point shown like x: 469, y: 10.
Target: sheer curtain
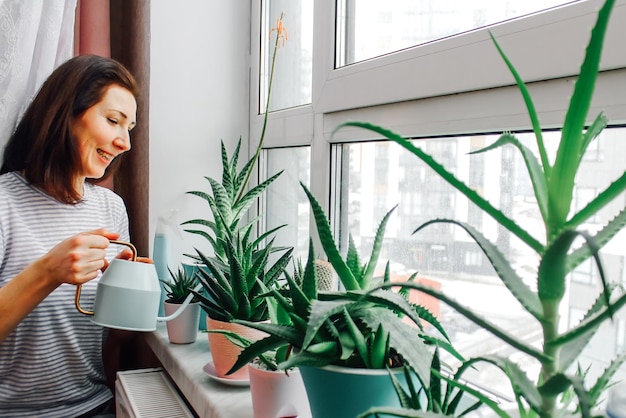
x: 35, y: 37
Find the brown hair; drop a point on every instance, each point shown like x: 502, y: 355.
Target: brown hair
x: 42, y: 146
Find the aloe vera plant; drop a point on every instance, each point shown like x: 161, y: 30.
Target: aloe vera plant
x: 234, y: 291
x: 180, y: 286
x: 239, y: 270
x: 553, y: 186
x: 350, y: 328
x: 444, y: 394
x: 229, y: 203
x: 340, y: 328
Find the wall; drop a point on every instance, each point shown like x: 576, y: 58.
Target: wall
x: 199, y: 95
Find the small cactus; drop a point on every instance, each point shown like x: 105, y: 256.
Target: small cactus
x: 326, y: 276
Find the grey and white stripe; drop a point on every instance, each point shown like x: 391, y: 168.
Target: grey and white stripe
x: 51, y: 365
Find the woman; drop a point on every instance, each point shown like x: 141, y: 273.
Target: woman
x: 55, y: 228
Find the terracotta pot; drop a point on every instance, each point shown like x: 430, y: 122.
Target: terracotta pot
x: 277, y: 394
x: 224, y: 352
x: 184, y: 328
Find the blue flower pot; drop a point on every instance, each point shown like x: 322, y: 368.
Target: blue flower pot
x: 342, y: 392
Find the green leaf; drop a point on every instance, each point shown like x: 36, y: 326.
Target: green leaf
x: 238, y: 282
x: 552, y: 267
x: 519, y: 380
x: 217, y: 285
x: 379, y: 348
x: 256, y: 349
x: 592, y: 322
x: 306, y: 358
x: 358, y: 338
x: 243, y: 204
x: 481, y: 322
x: 503, y: 268
x: 328, y: 243
x: 403, y: 339
x: 309, y: 281
x: 227, y: 169
x: 570, y: 150
x: 559, y: 383
x: 537, y: 177
x: 287, y: 333
x: 471, y: 194
x: 256, y: 270
x: 222, y: 202
x: 593, y: 131
x: 570, y: 350
x: 299, y: 300
x: 444, y: 345
x: 353, y: 261
x: 392, y: 301
x: 555, y: 385
x: 278, y: 268
x: 376, y: 247
x: 609, y: 230
x: 605, y: 378
x: 320, y: 312
x: 408, y: 400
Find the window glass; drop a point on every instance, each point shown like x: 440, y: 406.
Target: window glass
x: 370, y: 28
x: 285, y: 202
x: 382, y: 174
x: 292, y: 74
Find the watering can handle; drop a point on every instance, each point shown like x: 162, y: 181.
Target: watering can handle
x: 78, y: 287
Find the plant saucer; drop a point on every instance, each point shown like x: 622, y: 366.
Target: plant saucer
x: 209, y: 369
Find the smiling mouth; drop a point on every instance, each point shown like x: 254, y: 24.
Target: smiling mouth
x: 105, y: 155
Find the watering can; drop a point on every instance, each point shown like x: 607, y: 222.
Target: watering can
x: 128, y: 296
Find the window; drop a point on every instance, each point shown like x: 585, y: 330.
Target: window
x: 370, y: 28
x: 585, y: 273
x: 292, y: 74
x: 284, y: 202
x: 452, y: 95
x: 620, y: 336
x: 445, y: 254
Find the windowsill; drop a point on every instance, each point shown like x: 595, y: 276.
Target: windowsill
x: 184, y: 362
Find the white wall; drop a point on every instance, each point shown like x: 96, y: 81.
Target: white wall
x: 199, y: 95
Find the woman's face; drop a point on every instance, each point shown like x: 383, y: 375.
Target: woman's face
x: 103, y: 131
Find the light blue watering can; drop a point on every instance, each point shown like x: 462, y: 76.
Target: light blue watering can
x: 128, y: 296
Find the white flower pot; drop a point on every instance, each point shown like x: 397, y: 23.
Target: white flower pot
x: 277, y: 394
x: 184, y: 328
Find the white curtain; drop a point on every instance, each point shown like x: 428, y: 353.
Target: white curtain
x: 35, y: 37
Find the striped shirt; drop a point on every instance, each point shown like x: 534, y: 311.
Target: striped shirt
x: 51, y: 364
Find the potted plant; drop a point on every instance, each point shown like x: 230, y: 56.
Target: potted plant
x: 445, y: 395
x: 349, y: 335
x: 184, y: 328
x: 560, y: 388
x: 275, y: 392
x: 242, y: 265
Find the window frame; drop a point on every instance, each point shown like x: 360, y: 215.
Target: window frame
x: 428, y: 108
x: 489, y: 102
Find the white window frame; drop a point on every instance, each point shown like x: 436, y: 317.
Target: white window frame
x: 453, y: 86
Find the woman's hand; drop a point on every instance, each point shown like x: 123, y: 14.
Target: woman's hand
x: 79, y: 258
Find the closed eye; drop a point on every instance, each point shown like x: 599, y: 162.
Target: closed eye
x: 112, y: 121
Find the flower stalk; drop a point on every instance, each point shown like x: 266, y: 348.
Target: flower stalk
x: 281, y: 36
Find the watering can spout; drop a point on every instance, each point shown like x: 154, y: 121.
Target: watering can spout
x: 181, y: 308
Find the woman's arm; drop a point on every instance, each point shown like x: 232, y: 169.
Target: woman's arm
x: 75, y: 260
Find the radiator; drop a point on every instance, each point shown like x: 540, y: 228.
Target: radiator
x: 148, y: 393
